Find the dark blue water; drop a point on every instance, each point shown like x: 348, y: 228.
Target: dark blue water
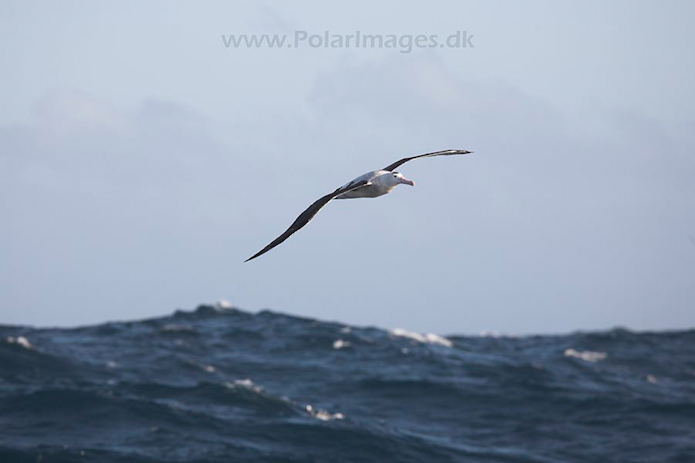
x: 223, y: 385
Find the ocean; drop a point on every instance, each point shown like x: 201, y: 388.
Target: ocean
x: 224, y: 385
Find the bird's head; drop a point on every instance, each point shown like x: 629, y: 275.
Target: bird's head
x: 396, y: 178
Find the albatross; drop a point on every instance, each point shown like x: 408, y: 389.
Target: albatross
x: 370, y: 185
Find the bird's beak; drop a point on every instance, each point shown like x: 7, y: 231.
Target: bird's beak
x: 408, y: 182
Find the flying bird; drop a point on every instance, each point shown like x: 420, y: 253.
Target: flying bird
x: 370, y: 185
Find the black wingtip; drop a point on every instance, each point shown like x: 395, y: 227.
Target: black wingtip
x: 253, y: 256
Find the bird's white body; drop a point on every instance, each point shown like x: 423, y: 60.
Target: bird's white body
x: 381, y: 182
x: 370, y: 185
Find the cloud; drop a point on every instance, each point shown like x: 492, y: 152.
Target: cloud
x: 556, y: 222
x: 99, y: 199
x: 544, y: 214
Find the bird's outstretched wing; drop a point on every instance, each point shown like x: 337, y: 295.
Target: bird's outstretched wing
x: 426, y: 155
x: 306, y: 216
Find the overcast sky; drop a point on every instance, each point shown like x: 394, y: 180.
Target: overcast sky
x: 142, y: 160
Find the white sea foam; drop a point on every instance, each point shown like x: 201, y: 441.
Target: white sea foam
x: 586, y: 355
x: 223, y: 304
x: 245, y: 384
x: 174, y: 328
x: 20, y: 340
x: 319, y: 414
x: 495, y: 334
x: 323, y: 415
x: 340, y: 344
x: 429, y: 338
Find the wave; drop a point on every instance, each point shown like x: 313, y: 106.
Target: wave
x: 220, y: 384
